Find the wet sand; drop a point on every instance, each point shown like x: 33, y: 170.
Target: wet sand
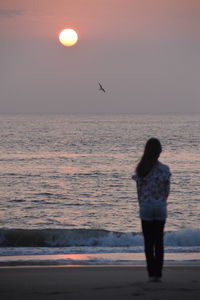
x: 98, y: 282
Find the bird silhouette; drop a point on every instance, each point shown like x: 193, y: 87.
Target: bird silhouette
x: 101, y: 88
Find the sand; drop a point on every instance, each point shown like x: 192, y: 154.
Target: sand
x: 98, y: 282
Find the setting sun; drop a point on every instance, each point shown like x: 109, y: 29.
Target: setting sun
x: 68, y: 37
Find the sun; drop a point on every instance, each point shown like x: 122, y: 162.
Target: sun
x: 68, y: 37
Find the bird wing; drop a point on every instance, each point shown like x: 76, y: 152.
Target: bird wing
x: 101, y: 88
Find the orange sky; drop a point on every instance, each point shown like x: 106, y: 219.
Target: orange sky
x: 151, y: 45
x: 94, y: 18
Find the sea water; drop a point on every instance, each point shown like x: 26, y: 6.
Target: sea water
x: 66, y: 193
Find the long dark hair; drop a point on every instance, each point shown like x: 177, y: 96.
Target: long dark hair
x: 149, y: 158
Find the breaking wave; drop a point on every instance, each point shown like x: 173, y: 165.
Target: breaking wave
x: 91, y: 238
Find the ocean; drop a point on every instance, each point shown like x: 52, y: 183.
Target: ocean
x: 66, y: 194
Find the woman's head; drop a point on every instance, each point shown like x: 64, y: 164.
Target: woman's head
x: 152, y: 148
x: 150, y: 157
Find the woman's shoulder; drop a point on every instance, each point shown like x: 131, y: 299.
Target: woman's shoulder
x: 160, y: 171
x: 163, y: 169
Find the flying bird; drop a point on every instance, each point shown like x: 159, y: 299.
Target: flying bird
x: 101, y: 88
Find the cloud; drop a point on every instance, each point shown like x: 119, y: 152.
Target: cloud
x: 9, y: 13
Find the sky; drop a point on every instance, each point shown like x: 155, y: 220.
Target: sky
x: 145, y: 53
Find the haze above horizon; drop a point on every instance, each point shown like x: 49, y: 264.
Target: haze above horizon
x: 144, y: 53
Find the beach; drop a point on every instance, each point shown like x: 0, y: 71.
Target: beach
x: 98, y: 282
x: 69, y: 219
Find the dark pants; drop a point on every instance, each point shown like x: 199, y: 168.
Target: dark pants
x: 153, y: 242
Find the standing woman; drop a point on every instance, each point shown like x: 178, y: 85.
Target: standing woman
x: 153, y: 185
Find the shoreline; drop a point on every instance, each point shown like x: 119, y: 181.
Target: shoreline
x: 133, y: 264
x: 117, y: 265
x: 118, y: 259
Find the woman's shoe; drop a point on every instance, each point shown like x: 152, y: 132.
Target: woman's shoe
x: 157, y: 279
x: 151, y: 279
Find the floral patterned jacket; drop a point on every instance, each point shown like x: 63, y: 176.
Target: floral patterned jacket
x: 155, y: 186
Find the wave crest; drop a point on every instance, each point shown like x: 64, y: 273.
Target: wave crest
x: 91, y: 238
